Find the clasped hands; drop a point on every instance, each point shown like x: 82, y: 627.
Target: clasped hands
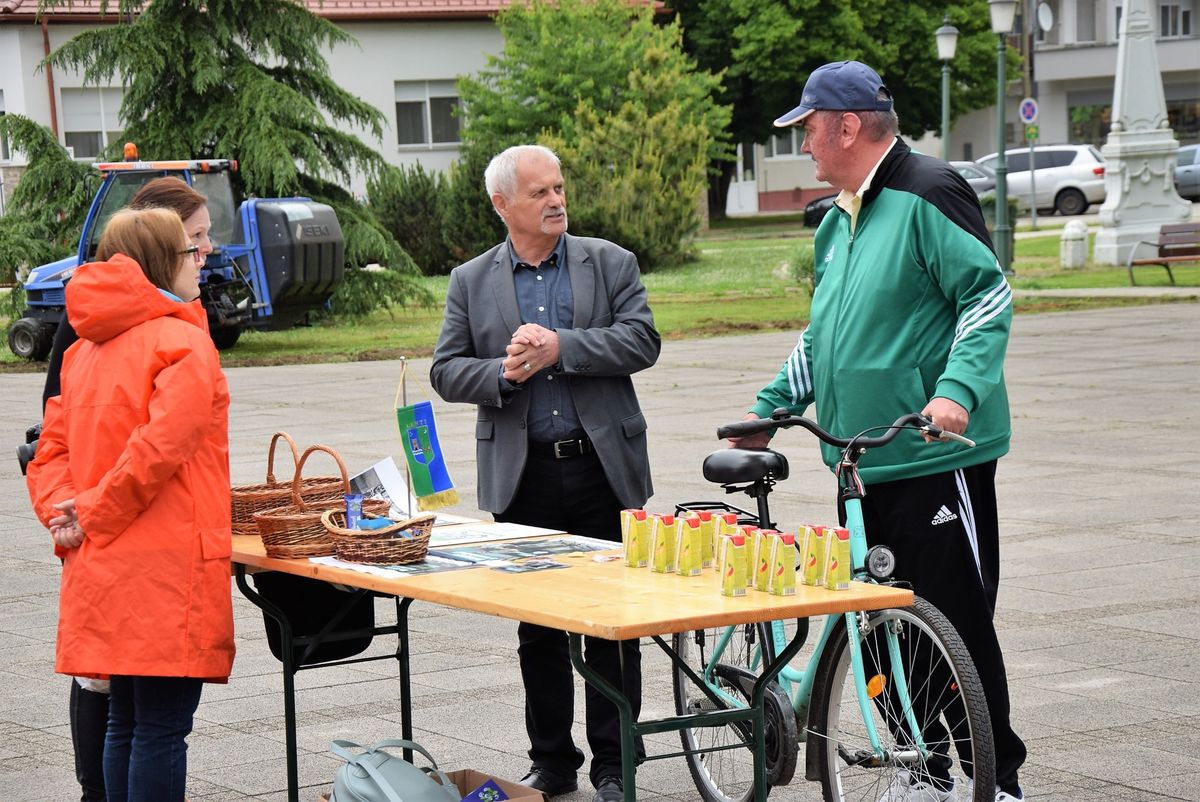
x: 532, y: 348
x: 65, y: 530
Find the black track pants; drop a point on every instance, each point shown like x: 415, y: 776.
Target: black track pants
x: 944, y: 531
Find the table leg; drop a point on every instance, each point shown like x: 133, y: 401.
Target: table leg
x: 760, y: 721
x: 624, y: 708
x: 292, y: 665
x: 402, y: 657
x: 286, y: 639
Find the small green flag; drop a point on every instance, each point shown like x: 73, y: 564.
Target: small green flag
x: 423, y: 453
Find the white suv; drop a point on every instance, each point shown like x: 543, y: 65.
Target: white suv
x: 1069, y: 177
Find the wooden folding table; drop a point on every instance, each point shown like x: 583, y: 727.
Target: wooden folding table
x: 602, y: 599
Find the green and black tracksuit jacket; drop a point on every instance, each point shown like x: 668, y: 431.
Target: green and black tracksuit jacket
x: 910, y: 306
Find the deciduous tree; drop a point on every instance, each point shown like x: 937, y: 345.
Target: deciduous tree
x: 613, y: 90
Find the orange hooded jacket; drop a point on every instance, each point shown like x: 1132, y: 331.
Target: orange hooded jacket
x: 140, y: 439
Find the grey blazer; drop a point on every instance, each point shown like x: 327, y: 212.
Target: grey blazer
x: 613, y: 337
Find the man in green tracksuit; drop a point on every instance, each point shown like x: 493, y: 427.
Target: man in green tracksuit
x: 911, y: 313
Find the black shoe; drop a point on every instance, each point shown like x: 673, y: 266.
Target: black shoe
x: 550, y: 782
x: 609, y: 789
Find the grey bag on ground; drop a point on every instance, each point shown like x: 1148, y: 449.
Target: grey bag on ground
x: 375, y: 775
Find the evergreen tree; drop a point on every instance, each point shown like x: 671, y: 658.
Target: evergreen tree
x: 614, y: 91
x: 241, y: 79
x: 48, y: 205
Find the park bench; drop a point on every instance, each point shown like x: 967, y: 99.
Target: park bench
x: 1178, y: 242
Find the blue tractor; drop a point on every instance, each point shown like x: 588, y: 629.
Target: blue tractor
x: 276, y: 259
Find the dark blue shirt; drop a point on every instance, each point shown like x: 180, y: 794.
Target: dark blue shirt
x: 544, y: 297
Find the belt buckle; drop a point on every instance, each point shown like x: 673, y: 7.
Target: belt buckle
x: 557, y: 453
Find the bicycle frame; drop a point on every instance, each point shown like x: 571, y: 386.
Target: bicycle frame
x: 798, y: 683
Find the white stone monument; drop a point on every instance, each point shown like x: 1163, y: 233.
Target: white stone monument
x: 1141, y: 148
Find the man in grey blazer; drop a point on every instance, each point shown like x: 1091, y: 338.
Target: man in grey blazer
x: 542, y: 334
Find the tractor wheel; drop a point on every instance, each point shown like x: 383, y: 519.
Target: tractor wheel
x: 225, y: 337
x: 31, y: 339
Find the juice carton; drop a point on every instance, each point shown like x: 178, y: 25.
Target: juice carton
x: 688, y: 546
x: 635, y: 537
x: 751, y: 536
x: 837, y: 571
x: 783, y: 565
x: 662, y: 544
x: 708, y: 535
x: 814, y: 558
x: 761, y: 559
x: 733, y: 564
x: 726, y: 525
x: 803, y: 533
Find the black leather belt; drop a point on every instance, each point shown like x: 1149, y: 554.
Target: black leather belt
x: 563, y: 449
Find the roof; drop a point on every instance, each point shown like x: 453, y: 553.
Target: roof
x: 335, y: 10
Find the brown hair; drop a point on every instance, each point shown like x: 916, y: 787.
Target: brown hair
x: 169, y: 193
x: 150, y: 237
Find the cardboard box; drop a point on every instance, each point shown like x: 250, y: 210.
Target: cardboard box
x: 467, y: 780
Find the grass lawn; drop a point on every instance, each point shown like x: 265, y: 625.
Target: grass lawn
x: 737, y: 282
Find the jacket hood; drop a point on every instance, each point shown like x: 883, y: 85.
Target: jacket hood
x: 105, y: 299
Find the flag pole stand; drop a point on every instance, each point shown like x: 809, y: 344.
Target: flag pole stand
x: 402, y: 401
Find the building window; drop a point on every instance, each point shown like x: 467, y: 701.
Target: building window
x: 785, y: 145
x: 427, y: 113
x: 1085, y: 21
x: 90, y: 120
x: 1174, y: 20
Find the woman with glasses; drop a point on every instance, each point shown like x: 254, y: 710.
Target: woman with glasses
x: 89, y: 697
x: 132, y: 478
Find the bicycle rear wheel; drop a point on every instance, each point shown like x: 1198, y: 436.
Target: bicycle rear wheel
x: 727, y: 775
x: 948, y: 705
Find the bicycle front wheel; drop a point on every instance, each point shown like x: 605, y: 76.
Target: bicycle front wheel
x: 730, y: 660
x: 954, y: 757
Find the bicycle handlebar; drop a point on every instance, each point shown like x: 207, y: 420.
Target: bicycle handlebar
x: 782, y: 419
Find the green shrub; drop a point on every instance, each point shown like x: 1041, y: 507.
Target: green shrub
x: 802, y: 266
x: 411, y: 204
x: 472, y: 225
x: 636, y: 179
x: 365, y: 290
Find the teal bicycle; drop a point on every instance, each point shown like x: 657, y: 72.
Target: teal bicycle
x: 888, y: 703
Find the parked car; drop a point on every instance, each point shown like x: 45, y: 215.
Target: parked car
x: 1070, y: 178
x: 981, y: 178
x: 816, y: 210
x: 1187, y: 172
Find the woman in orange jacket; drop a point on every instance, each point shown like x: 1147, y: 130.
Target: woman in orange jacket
x: 132, y: 478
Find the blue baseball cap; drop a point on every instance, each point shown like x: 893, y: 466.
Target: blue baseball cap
x: 840, y: 86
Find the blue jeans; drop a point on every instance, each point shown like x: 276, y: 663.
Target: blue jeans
x: 145, y: 751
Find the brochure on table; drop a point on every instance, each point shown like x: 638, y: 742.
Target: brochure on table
x: 513, y: 555
x: 384, y: 480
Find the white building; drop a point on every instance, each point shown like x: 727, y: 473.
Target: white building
x: 1070, y: 72
x: 405, y: 62
x: 409, y: 53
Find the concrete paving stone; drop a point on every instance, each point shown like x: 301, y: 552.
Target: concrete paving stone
x: 1073, y: 474
x: 1180, y: 622
x: 252, y: 780
x: 1178, y: 786
x: 1121, y: 763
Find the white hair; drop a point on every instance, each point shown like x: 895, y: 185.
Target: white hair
x: 500, y: 177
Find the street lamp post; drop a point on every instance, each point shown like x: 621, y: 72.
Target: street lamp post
x: 1002, y: 12
x: 947, y: 42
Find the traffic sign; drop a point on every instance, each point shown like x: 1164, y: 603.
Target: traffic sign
x: 1031, y: 133
x: 1028, y: 111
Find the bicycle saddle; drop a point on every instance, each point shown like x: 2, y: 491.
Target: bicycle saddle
x: 734, y: 465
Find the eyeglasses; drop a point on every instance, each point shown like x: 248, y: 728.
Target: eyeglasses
x: 194, y: 251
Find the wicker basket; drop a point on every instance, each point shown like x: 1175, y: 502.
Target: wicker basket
x: 295, y: 530
x: 386, y: 546
x: 249, y: 499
